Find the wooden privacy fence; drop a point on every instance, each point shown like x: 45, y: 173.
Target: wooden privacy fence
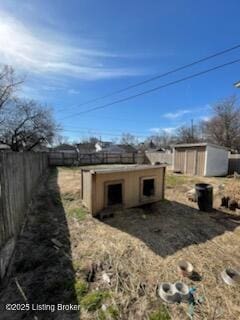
x: 161, y: 157
x: 19, y: 176
x: 233, y: 163
x: 78, y: 159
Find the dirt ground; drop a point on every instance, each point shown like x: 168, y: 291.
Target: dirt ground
x: 112, y: 268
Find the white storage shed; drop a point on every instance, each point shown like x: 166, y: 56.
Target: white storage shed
x: 202, y: 159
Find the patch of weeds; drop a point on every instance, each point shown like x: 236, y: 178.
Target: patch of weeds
x: 77, y: 265
x: 113, y: 312
x: 81, y: 289
x: 78, y: 213
x: 110, y: 313
x: 93, y: 301
x: 68, y: 196
x: 101, y: 315
x: 161, y: 314
x: 174, y: 180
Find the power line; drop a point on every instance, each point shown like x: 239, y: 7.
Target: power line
x: 112, y: 131
x: 194, y: 75
x: 158, y: 76
x: 96, y: 132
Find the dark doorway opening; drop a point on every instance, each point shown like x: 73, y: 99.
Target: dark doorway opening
x: 114, y: 194
x: 148, y: 188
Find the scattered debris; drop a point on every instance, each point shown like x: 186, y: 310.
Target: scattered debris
x: 21, y: 290
x: 106, y: 278
x: 191, y: 195
x: 221, y: 187
x: 224, y: 201
x: 57, y: 242
x: 91, y: 272
x: 236, y: 175
x: 193, y: 300
x: 232, y: 204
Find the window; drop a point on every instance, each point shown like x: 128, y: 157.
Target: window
x: 148, y: 188
x: 114, y: 194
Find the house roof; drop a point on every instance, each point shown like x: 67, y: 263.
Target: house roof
x: 127, y: 148
x: 64, y: 146
x: 199, y: 144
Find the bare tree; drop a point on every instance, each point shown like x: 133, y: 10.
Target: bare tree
x: 189, y: 134
x: 162, y: 139
x: 224, y: 127
x: 8, y: 85
x: 128, y: 139
x: 26, y: 125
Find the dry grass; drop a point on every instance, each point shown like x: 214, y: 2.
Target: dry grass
x: 139, y: 248
x: 232, y: 190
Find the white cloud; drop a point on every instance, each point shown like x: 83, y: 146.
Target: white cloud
x: 169, y: 130
x: 205, y: 118
x: 175, y: 115
x: 44, y: 55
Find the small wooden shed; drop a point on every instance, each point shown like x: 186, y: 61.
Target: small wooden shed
x: 121, y: 186
x: 202, y: 159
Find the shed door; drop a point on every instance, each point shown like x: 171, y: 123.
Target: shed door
x: 200, y: 161
x: 190, y: 161
x: 179, y: 161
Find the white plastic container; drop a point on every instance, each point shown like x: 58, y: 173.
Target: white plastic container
x: 171, y: 293
x: 183, y: 290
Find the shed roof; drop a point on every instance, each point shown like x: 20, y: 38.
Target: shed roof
x: 125, y: 168
x: 200, y: 144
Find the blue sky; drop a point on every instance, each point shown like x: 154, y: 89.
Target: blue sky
x: 74, y: 51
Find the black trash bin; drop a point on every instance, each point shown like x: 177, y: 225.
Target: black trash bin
x: 204, y: 194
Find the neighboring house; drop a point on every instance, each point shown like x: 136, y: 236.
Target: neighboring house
x: 66, y: 148
x: 127, y: 148
x: 202, y: 159
x: 109, y: 147
x: 86, y: 147
x: 103, y: 145
x: 41, y: 149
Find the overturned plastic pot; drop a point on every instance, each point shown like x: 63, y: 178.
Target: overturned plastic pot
x: 231, y: 276
x: 185, y: 268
